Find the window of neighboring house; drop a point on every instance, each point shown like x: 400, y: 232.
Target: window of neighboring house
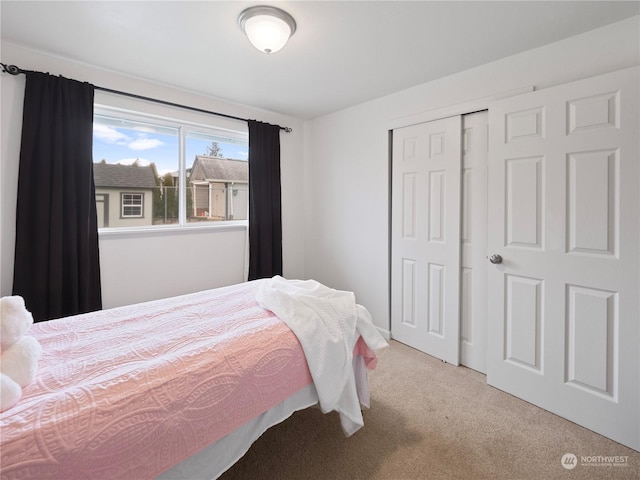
x: 166, y: 171
x: 132, y: 204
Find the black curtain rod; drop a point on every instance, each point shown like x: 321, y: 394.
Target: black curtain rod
x: 13, y: 70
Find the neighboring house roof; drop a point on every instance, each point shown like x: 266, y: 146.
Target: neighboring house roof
x: 219, y: 169
x: 123, y: 176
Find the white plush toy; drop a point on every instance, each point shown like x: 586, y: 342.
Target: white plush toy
x: 19, y: 354
x: 15, y: 320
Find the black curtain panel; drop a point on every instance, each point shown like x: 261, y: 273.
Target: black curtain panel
x: 57, y: 268
x: 265, y: 210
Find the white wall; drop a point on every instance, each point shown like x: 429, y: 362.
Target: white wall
x: 347, y: 161
x: 134, y: 266
x: 338, y: 233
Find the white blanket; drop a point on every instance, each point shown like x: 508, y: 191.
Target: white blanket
x: 327, y: 323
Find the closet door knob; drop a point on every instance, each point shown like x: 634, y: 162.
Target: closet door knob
x: 495, y: 258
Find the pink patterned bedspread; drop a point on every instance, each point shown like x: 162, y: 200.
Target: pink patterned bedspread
x: 129, y: 392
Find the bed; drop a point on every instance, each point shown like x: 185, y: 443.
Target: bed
x: 181, y: 387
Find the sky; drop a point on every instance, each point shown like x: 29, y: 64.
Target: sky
x: 126, y: 145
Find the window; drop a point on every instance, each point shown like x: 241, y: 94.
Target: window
x: 132, y: 204
x: 167, y: 172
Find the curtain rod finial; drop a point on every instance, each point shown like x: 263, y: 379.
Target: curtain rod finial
x: 11, y: 69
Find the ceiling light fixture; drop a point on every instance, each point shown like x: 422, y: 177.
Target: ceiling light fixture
x: 268, y: 28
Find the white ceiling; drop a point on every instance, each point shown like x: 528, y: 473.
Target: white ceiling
x: 342, y: 54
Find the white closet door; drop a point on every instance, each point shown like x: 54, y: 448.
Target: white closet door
x: 563, y: 215
x: 473, y: 280
x: 425, y: 238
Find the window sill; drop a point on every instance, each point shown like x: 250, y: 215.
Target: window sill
x: 172, y: 229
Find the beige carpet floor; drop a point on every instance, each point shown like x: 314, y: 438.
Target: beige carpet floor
x: 430, y: 420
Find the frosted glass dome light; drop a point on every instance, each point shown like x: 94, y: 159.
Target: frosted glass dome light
x: 268, y: 28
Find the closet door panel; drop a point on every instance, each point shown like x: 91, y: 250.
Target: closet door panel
x: 473, y: 284
x: 564, y: 217
x: 425, y: 245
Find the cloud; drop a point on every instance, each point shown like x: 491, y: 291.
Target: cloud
x: 143, y: 162
x: 109, y: 134
x: 144, y: 143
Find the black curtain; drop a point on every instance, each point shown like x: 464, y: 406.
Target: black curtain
x: 57, y: 268
x: 265, y: 209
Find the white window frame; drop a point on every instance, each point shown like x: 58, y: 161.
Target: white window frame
x: 140, y: 195
x: 184, y: 127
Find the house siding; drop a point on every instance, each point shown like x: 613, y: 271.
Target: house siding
x: 114, y: 208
